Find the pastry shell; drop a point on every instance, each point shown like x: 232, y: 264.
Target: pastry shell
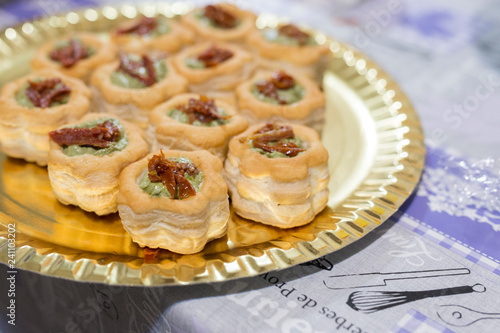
x: 172, y: 41
x: 282, y: 192
x: 133, y: 104
x: 222, y: 77
x: 308, y: 59
x: 309, y: 111
x: 24, y: 131
x: 237, y: 34
x: 172, y: 134
x: 88, y: 181
x: 104, y: 53
x: 182, y: 226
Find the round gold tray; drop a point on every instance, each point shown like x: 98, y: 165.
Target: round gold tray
x: 376, y: 158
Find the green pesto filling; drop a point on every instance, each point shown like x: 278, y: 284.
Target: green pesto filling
x: 124, y: 80
x: 120, y: 144
x: 292, y: 95
x: 273, y: 35
x: 194, y: 63
x: 23, y: 99
x: 209, y: 23
x: 182, y: 117
x: 162, y: 28
x: 276, y: 154
x: 90, y: 50
x: 157, y: 189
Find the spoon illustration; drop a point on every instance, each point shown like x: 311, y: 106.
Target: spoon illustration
x: 458, y: 315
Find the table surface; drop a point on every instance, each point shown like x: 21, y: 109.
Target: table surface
x: 433, y: 267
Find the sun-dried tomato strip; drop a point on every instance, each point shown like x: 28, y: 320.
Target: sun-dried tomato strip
x: 278, y: 81
x: 45, y: 92
x: 288, y: 148
x: 171, y: 174
x: 150, y: 254
x: 219, y: 16
x: 132, y: 68
x: 292, y: 31
x: 68, y: 55
x: 203, y: 109
x: 99, y: 136
x: 143, y: 27
x: 213, y: 56
x: 276, y: 133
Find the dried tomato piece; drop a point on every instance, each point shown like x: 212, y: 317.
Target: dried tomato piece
x: 99, y: 136
x: 213, y: 56
x: 143, y: 27
x: 69, y: 54
x: 277, y: 134
x: 45, y: 92
x: 219, y: 16
x: 150, y: 254
x: 171, y: 174
x: 203, y: 109
x: 280, y: 80
x: 132, y: 68
x: 292, y: 31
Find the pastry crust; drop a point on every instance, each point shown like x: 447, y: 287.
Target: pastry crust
x: 182, y: 226
x: 309, y: 111
x: 104, y: 53
x: 24, y: 131
x: 172, y: 134
x: 307, y: 59
x: 172, y: 41
x: 237, y: 34
x: 222, y: 77
x: 282, y: 192
x: 91, y: 182
x: 133, y: 104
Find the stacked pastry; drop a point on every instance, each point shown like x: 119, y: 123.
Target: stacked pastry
x: 183, y: 90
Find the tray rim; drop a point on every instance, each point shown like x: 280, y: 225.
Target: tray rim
x: 356, y: 219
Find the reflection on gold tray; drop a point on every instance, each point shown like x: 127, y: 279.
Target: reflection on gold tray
x: 376, y: 158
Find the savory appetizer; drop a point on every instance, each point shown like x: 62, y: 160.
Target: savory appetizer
x: 86, y: 158
x: 76, y: 56
x: 279, y: 96
x: 221, y: 22
x: 174, y: 200
x: 34, y: 105
x: 289, y: 48
x: 214, y: 67
x: 277, y: 174
x: 134, y: 85
x: 192, y: 122
x: 152, y: 33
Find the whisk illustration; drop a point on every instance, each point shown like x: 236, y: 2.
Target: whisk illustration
x: 372, y: 301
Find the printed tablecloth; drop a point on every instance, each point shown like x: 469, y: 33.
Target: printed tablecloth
x: 433, y: 267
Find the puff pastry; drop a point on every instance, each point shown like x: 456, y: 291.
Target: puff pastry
x: 24, y: 126
x: 284, y: 192
x: 278, y: 96
x: 221, y: 22
x: 289, y: 48
x: 192, y: 122
x: 120, y: 92
x: 211, y: 67
x: 180, y: 225
x: 152, y: 33
x: 87, y: 176
x: 77, y: 55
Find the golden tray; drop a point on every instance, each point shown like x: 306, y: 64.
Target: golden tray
x: 376, y: 151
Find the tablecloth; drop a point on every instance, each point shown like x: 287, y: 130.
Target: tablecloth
x: 432, y: 267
